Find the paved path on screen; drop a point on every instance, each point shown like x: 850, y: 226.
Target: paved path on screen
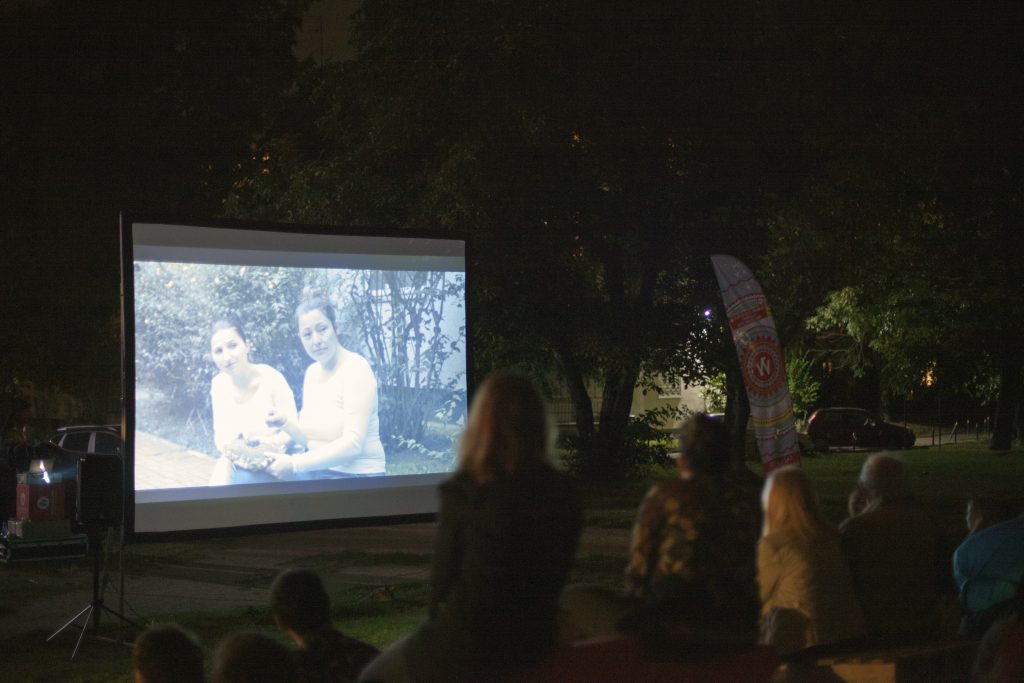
x: 160, y: 464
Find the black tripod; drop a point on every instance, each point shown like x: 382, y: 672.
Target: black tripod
x: 97, y: 535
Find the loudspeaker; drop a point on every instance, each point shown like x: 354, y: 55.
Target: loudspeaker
x: 8, y: 491
x: 100, y: 494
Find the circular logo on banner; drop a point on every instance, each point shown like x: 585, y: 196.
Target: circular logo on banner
x: 43, y: 503
x: 762, y: 366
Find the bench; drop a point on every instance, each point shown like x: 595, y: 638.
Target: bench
x: 933, y: 662
x: 618, y: 659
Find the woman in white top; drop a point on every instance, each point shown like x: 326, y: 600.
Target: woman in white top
x: 807, y: 596
x: 338, y: 422
x: 241, y: 395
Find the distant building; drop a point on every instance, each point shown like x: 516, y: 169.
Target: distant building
x: 673, y: 394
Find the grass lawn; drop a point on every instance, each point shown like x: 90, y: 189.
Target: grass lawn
x: 360, y: 611
x: 944, y: 478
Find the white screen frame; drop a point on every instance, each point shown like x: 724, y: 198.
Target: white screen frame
x: 284, y: 505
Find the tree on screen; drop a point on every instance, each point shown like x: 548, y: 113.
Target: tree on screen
x: 176, y: 305
x: 401, y: 315
x: 396, y: 319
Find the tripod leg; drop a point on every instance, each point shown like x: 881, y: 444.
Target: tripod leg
x: 72, y: 620
x: 91, y: 612
x: 81, y: 634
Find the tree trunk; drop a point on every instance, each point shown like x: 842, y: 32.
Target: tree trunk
x: 622, y: 370
x: 737, y: 415
x: 1006, y: 404
x: 582, y: 407
x: 608, y: 458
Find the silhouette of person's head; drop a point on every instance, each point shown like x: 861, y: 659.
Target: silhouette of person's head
x: 250, y: 657
x: 300, y: 603
x: 983, y: 512
x: 166, y: 653
x: 508, y: 429
x: 883, y: 479
x: 790, y: 504
x: 703, y: 446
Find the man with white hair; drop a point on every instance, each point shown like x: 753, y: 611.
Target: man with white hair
x: 891, y: 543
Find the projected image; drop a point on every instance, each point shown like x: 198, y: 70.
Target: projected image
x: 250, y: 374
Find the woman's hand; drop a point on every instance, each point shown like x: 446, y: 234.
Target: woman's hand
x: 285, y: 425
x: 234, y: 447
x: 282, y: 468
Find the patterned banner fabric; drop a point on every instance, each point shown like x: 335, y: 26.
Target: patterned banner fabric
x: 764, y: 372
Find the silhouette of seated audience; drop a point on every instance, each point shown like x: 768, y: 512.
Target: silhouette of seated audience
x: 984, y: 511
x: 807, y: 597
x: 167, y: 653
x: 691, y: 587
x: 988, y: 565
x: 508, y: 529
x: 302, y: 609
x: 251, y: 657
x: 891, y: 544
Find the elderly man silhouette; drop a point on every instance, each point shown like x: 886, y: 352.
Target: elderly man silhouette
x: 891, y: 543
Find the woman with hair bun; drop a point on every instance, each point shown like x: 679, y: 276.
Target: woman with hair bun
x: 338, y: 422
x: 241, y: 395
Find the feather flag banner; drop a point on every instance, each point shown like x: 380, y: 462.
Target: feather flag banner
x: 764, y: 372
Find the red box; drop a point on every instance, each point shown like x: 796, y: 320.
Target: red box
x: 39, y: 501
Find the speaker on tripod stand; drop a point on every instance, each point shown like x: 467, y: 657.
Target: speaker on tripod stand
x: 99, y: 508
x: 99, y: 501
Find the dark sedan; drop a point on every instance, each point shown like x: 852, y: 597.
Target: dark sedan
x: 855, y: 427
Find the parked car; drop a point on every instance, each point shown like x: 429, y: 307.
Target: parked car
x: 855, y: 427
x: 102, y: 439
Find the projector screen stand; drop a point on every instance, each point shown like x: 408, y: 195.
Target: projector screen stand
x: 91, y: 612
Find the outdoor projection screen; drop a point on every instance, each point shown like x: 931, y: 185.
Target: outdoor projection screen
x: 246, y: 407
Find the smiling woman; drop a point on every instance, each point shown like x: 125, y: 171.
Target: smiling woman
x: 242, y: 394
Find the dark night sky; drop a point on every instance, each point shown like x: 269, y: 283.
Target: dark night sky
x: 79, y: 138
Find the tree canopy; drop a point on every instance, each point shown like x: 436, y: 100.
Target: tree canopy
x: 108, y: 107
x: 597, y: 153
x: 594, y: 153
x: 926, y: 210
x: 863, y: 157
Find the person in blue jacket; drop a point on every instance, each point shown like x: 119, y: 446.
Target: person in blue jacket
x: 987, y: 568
